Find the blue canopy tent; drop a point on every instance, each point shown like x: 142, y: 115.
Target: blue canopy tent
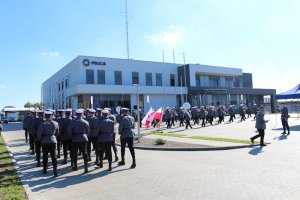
x: 290, y: 94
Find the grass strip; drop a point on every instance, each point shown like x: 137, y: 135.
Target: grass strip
x: 10, y: 184
x: 222, y: 139
x: 166, y: 134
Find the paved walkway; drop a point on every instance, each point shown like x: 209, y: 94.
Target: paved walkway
x: 256, y: 173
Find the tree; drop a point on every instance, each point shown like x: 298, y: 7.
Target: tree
x: 33, y: 105
x: 9, y: 107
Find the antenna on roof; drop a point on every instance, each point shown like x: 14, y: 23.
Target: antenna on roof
x: 126, y: 29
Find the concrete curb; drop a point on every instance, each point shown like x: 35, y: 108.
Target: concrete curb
x: 20, y: 174
x: 193, y: 149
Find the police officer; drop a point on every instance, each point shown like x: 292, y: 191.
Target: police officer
x: 181, y: 116
x: 79, y: 130
x: 187, y: 118
x: 34, y: 128
x: 168, y: 117
x: 231, y: 113
x: 60, y: 115
x: 125, y: 131
x: 220, y: 114
x: 174, y: 116
x: 284, y: 118
x: 30, y: 129
x: 114, y: 119
x: 105, y: 132
x: 202, y: 116
x: 46, y: 134
x: 66, y: 139
x: 93, y: 122
x: 26, y: 124
x: 261, y: 126
x: 210, y: 114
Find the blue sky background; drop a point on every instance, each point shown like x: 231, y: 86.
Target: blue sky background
x: 37, y: 38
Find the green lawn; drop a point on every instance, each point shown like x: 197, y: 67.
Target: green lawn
x: 166, y: 134
x: 10, y: 184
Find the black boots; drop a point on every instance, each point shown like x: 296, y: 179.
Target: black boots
x: 109, y: 166
x: 121, y: 162
x: 55, y: 172
x: 74, y: 168
x: 45, y: 170
x: 133, y: 164
x: 64, y: 161
x: 116, y: 158
x: 86, y: 168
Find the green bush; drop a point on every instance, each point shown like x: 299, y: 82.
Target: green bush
x: 160, y: 141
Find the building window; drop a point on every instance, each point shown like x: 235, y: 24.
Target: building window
x: 62, y: 85
x: 89, y: 76
x: 198, y: 82
x: 135, y: 78
x: 228, y: 82
x: 149, y: 79
x: 118, y: 77
x: 172, y: 80
x: 101, y: 76
x: 158, y: 79
x: 59, y: 87
x: 66, y: 83
x: 214, y: 81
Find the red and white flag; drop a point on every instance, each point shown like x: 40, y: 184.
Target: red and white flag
x: 146, y: 118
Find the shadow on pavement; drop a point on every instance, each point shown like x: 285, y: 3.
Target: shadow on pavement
x: 281, y: 137
x: 292, y: 128
x: 256, y: 150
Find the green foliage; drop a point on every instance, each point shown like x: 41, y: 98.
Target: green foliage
x: 33, y: 105
x: 9, y: 107
x: 10, y: 184
x: 160, y: 141
x: 222, y: 139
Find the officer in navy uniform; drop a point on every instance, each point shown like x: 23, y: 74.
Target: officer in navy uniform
x: 187, y: 118
x: 60, y: 115
x: 261, y: 126
x: 220, y: 114
x: 284, y: 118
x: 105, y: 132
x: 79, y: 130
x: 231, y: 113
x: 66, y: 139
x: 25, y: 125
x: 34, y: 128
x: 202, y: 115
x: 30, y: 130
x: 114, y: 119
x: 46, y: 134
x: 93, y: 122
x: 181, y: 116
x: 210, y: 115
x: 126, y: 125
x: 168, y: 117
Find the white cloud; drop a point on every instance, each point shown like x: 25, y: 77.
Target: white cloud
x: 172, y: 37
x: 2, y: 86
x: 50, y: 53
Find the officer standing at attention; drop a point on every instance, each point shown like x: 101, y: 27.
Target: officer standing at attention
x: 66, y: 139
x: 79, y: 130
x: 284, y: 118
x: 93, y: 122
x: 113, y: 118
x: 46, y: 134
x: 37, y: 144
x: 261, y: 126
x: 30, y: 129
x: 60, y: 115
x: 125, y: 131
x: 25, y: 125
x: 105, y: 132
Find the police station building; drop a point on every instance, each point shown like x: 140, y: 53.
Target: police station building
x: 110, y: 82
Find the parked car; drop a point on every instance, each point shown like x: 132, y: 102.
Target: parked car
x: 12, y: 119
x: 4, y: 119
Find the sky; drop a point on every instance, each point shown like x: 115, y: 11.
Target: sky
x: 37, y: 38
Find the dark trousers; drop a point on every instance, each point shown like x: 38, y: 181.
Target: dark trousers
x: 188, y: 124
x: 231, y: 118
x: 49, y: 149
x: 211, y: 119
x: 104, y: 147
x: 31, y: 142
x: 58, y: 138
x: 129, y: 142
x: 38, y: 146
x: 255, y: 115
x: 26, y: 135
x: 91, y: 141
x: 82, y: 147
x: 173, y: 122
x: 261, y: 134
x: 285, y: 125
x: 113, y: 144
x: 203, y: 122
x: 168, y: 123
x: 66, y: 146
x: 181, y: 120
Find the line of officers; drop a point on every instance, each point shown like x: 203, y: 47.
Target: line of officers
x: 77, y: 135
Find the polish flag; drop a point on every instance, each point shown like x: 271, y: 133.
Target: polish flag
x: 145, y: 120
x: 160, y: 115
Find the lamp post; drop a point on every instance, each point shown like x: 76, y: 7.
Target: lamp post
x: 138, y: 110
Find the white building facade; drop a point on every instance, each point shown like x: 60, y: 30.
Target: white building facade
x: 109, y: 82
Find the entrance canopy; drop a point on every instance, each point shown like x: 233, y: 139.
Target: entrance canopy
x: 290, y: 94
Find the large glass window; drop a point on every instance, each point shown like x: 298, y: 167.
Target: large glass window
x: 101, y: 76
x: 172, y: 80
x: 135, y: 78
x: 149, y: 79
x: 214, y: 81
x: 198, y: 82
x: 118, y: 77
x: 158, y: 79
x: 228, y: 82
x: 90, y: 76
